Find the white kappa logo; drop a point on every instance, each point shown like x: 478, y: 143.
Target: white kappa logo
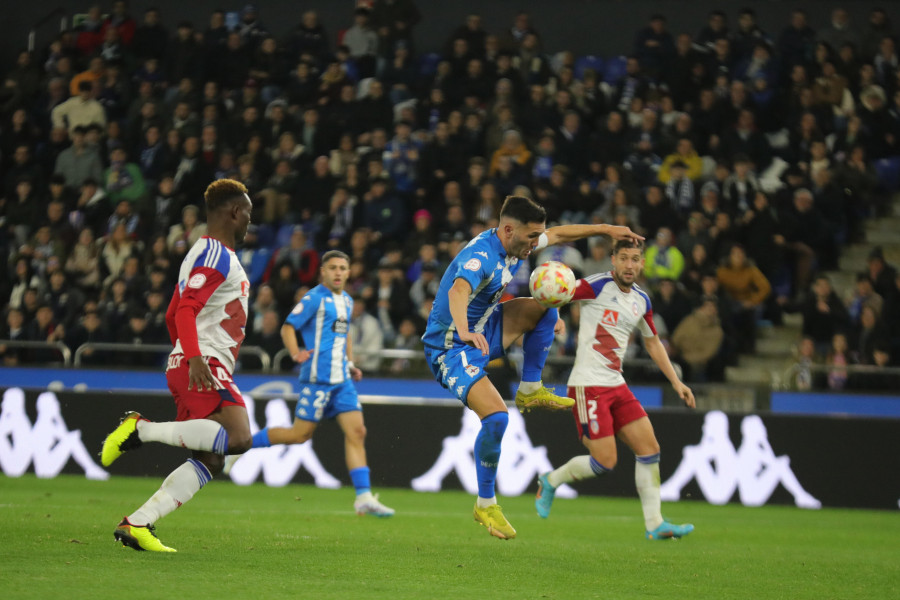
x: 753, y: 469
x: 520, y: 461
x: 197, y: 281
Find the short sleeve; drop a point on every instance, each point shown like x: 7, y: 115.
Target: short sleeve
x: 474, y: 266
x: 301, y: 313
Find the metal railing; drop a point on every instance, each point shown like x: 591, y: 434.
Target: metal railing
x: 262, y: 355
x: 60, y: 12
x: 553, y: 360
x: 58, y: 346
x: 787, y: 377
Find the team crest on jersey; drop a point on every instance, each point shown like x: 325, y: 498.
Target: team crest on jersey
x: 197, y: 281
x: 472, y: 370
x: 634, y: 308
x: 473, y: 264
x: 297, y: 309
x: 610, y: 317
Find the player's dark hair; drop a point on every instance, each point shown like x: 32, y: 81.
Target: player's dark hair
x: 222, y: 192
x: 523, y: 210
x: 623, y: 244
x: 334, y: 254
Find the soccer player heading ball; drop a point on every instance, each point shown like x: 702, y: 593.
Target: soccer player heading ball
x: 206, y: 320
x: 613, y: 306
x: 468, y: 327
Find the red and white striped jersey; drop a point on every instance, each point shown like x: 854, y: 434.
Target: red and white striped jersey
x: 213, y: 287
x: 608, y: 317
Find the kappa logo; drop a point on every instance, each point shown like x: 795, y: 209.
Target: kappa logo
x: 306, y: 392
x: 48, y: 443
x: 328, y: 300
x: 279, y: 464
x: 610, y: 317
x: 520, y: 460
x: 472, y: 370
x: 753, y: 470
x: 484, y: 254
x: 459, y: 390
x: 451, y: 381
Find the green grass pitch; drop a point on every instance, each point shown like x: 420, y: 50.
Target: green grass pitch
x: 302, y: 542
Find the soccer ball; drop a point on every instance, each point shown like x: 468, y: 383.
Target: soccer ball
x: 552, y: 284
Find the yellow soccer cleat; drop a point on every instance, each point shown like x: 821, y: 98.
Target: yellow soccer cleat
x: 139, y: 537
x: 122, y: 439
x: 492, y: 518
x: 542, y: 398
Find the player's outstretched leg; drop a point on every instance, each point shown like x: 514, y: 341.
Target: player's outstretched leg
x: 537, y: 323
x: 139, y: 537
x: 578, y: 468
x: 203, y: 435
x: 646, y: 479
x: 487, y: 457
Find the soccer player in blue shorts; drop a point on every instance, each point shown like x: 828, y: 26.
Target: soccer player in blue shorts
x: 468, y: 327
x: 326, y: 391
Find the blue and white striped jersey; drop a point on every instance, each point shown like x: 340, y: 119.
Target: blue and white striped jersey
x: 488, y: 269
x: 323, y: 320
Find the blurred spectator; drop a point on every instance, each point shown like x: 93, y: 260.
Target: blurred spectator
x: 367, y: 337
x: 863, y: 295
x: 79, y: 161
x: 837, y: 361
x: 803, y: 375
x: 671, y: 303
x: 697, y: 339
x: 302, y: 259
x: 14, y: 330
x: 824, y: 314
x: 268, y: 337
x: 662, y: 259
x: 868, y: 334
x: 881, y: 273
x: 748, y: 288
x: 81, y: 109
x: 83, y: 263
x: 408, y: 338
x: 188, y: 231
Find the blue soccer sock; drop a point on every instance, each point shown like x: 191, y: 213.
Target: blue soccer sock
x: 261, y: 439
x: 360, y: 478
x: 487, y: 451
x: 536, y: 346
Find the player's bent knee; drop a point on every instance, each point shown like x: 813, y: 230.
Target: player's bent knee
x: 607, y: 460
x: 239, y: 443
x: 357, y: 434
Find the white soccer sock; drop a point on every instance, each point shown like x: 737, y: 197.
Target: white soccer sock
x: 485, y: 502
x: 530, y: 387
x: 576, y: 469
x: 646, y: 479
x: 199, y: 434
x: 179, y: 487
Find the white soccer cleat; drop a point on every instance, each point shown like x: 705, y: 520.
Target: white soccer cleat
x: 229, y: 463
x: 367, y: 504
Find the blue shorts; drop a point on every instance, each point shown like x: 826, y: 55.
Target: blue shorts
x: 458, y: 368
x: 325, y: 400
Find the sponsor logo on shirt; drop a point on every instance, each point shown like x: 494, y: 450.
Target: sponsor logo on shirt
x: 610, y: 317
x: 341, y: 326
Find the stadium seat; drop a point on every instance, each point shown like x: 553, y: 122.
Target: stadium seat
x: 888, y: 170
x: 283, y: 238
x: 588, y: 62
x: 428, y: 64
x: 266, y: 234
x: 614, y: 69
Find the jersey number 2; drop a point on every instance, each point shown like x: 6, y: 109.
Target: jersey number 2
x: 607, y: 346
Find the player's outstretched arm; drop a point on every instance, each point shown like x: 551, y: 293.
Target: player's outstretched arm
x: 289, y: 338
x: 570, y: 233
x: 658, y: 353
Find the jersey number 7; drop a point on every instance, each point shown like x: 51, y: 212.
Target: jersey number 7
x: 607, y: 346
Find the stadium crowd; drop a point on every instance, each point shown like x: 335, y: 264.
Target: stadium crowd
x: 744, y: 156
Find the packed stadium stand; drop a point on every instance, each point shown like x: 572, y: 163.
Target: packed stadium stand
x: 763, y: 167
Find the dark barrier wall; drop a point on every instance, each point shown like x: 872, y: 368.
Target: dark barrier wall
x: 849, y: 462
x: 583, y: 26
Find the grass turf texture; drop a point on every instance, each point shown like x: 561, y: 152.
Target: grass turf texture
x: 299, y: 541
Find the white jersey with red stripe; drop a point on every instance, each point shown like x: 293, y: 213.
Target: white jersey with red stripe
x: 608, y: 317
x: 212, y: 278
